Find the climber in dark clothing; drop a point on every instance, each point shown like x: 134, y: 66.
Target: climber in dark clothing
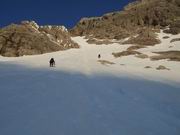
x: 99, y: 56
x: 52, y: 62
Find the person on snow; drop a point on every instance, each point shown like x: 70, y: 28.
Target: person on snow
x: 99, y: 56
x: 52, y: 62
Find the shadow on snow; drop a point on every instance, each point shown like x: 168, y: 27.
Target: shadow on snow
x: 47, y: 102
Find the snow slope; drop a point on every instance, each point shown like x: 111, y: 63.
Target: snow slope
x: 45, y: 102
x: 84, y: 60
x: 80, y: 96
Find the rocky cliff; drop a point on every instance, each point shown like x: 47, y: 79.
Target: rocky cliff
x: 27, y: 38
x: 137, y: 16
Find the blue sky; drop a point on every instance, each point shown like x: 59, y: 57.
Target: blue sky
x: 55, y: 12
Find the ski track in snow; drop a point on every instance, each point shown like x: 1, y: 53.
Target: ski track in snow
x: 82, y: 97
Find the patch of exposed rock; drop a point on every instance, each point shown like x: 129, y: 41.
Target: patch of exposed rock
x: 166, y: 37
x: 161, y: 67
x: 175, y: 40
x: 125, y: 53
x: 99, y: 42
x: 169, y: 55
x: 105, y: 62
x: 28, y: 38
x: 142, y: 56
x: 147, y: 67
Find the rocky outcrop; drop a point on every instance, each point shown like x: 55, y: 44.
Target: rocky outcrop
x: 169, y: 55
x: 151, y: 14
x: 174, y: 27
x: 28, y: 38
x: 144, y: 38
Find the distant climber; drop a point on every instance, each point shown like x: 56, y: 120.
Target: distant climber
x: 52, y: 62
x: 99, y: 56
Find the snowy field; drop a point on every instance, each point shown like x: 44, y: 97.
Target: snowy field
x: 80, y: 96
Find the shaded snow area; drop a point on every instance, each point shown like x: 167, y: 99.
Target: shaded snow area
x: 81, y: 96
x: 44, y: 102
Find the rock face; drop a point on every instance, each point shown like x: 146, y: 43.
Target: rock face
x: 144, y: 38
x: 28, y: 38
x: 141, y: 14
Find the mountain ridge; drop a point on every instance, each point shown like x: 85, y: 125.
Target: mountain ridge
x: 135, y: 17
